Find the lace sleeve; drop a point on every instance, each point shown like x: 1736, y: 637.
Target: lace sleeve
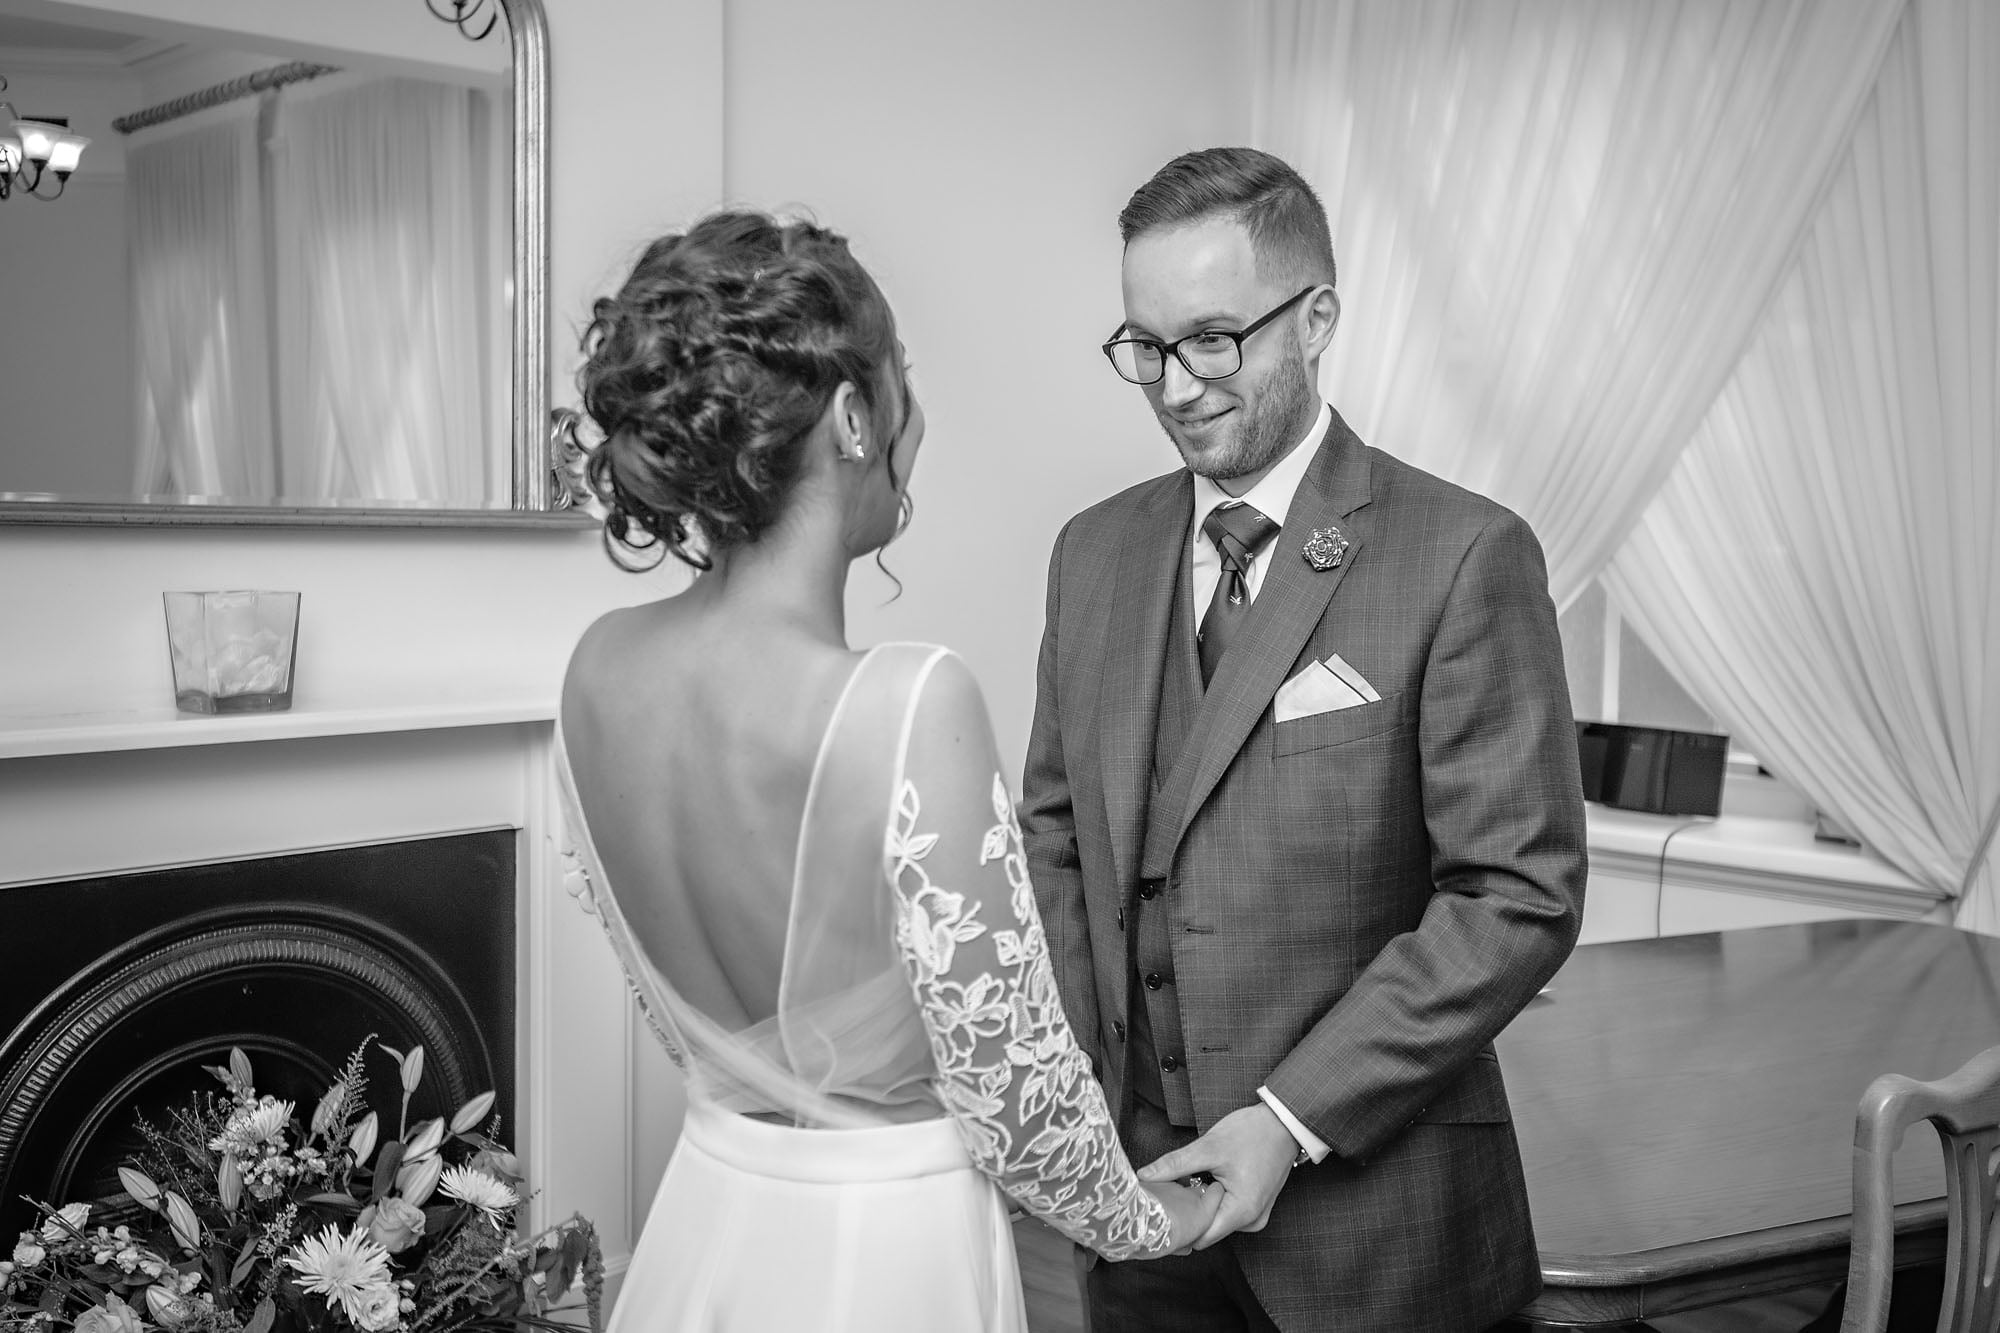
x: 1009, y: 1069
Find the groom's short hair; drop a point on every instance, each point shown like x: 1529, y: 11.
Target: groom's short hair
x: 1285, y: 219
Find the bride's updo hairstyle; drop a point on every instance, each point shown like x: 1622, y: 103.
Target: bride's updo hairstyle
x: 709, y: 368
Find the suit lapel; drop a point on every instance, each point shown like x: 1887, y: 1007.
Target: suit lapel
x: 1290, y: 603
x: 1141, y: 620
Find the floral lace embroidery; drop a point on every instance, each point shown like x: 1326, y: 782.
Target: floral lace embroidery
x: 576, y: 882
x: 1009, y: 1069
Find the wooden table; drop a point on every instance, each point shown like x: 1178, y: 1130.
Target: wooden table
x: 1686, y: 1106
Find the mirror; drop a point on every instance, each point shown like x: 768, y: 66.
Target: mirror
x: 298, y: 275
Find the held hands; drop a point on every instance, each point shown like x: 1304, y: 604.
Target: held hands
x: 1190, y: 1208
x: 1249, y: 1152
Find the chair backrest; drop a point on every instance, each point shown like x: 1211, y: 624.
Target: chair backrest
x: 1965, y: 1108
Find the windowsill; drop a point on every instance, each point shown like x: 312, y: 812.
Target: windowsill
x: 1748, y: 854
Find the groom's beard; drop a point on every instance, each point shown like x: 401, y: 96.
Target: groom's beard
x: 1256, y: 434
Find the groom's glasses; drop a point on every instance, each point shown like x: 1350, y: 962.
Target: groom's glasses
x: 1212, y: 354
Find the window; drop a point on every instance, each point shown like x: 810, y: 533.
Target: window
x: 1615, y: 677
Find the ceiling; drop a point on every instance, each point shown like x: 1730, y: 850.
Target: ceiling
x: 25, y: 34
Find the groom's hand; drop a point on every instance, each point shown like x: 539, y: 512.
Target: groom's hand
x: 1249, y: 1152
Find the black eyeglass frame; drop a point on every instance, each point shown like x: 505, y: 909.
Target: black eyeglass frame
x: 1173, y: 348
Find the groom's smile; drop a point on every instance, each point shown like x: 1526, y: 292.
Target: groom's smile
x: 1183, y: 282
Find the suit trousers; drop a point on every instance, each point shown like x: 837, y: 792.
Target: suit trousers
x: 1204, y: 1292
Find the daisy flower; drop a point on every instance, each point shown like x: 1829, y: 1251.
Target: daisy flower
x: 255, y: 1130
x: 345, y: 1268
x: 479, y: 1190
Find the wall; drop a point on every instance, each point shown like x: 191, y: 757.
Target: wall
x: 65, y: 329
x: 978, y: 156
x: 66, y: 369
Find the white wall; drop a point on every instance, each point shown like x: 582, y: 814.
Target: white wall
x: 977, y: 156
x: 66, y: 374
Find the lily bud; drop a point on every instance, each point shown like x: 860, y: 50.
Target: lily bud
x: 413, y: 1069
x: 424, y: 1142
x: 329, y: 1107
x: 167, y: 1309
x: 362, y: 1143
x: 229, y: 1182
x: 239, y: 1067
x: 416, y: 1180
x: 187, y: 1227
x: 141, y: 1187
x: 474, y: 1111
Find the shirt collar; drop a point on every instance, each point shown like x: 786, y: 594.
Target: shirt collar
x: 1272, y: 495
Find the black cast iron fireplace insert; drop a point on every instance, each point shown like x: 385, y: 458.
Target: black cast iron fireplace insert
x: 115, y: 992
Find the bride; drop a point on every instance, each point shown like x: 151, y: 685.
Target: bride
x: 804, y: 855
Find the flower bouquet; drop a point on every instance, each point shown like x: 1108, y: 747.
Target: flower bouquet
x: 248, y: 1221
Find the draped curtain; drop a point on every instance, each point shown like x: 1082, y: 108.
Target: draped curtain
x: 1822, y: 567
x: 380, y: 266
x: 1712, y: 288
x: 199, y: 295
x: 1557, y: 222
x: 314, y: 312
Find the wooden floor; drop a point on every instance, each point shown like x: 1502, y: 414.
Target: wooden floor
x: 1048, y: 1275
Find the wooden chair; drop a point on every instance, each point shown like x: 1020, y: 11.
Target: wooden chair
x: 1965, y: 1109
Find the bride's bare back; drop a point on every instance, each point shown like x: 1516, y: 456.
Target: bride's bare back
x: 692, y: 742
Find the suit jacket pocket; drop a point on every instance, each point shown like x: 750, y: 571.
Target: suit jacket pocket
x: 1479, y: 1097
x: 1339, y: 726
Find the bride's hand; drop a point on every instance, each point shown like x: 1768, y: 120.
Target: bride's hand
x: 1190, y: 1208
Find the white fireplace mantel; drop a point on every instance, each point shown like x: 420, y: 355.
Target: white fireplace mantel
x: 32, y: 735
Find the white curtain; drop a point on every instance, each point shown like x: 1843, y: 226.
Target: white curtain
x: 380, y: 260
x: 1557, y: 223
x: 199, y: 309
x: 1822, y: 567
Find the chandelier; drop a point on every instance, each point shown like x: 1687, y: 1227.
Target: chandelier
x: 34, y: 151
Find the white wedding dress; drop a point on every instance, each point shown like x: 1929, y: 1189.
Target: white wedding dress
x: 843, y: 1161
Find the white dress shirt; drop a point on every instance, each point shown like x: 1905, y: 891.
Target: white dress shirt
x: 1271, y: 496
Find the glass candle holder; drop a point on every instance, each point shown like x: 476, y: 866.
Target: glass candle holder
x: 232, y: 651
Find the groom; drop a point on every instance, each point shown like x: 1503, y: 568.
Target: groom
x: 1301, y: 803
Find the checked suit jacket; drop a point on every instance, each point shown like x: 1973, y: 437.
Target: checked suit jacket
x: 1358, y: 900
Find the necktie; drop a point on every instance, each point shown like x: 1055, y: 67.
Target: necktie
x: 1238, y: 532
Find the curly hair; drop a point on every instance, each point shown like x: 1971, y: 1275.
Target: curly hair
x: 709, y: 368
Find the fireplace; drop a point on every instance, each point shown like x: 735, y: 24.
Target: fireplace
x: 120, y: 988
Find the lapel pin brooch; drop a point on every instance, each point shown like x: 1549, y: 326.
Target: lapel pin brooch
x: 1326, y: 548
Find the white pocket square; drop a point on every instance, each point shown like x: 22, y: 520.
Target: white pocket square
x: 1322, y: 687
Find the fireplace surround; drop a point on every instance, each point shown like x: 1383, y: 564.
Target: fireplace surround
x: 93, y: 801
x: 119, y: 988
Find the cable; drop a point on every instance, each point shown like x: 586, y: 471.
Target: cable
x: 1660, y: 885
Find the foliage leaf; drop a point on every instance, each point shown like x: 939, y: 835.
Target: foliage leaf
x: 441, y: 1218
x: 386, y: 1163
x: 266, y: 1314
x: 246, y: 1259
x: 334, y: 1200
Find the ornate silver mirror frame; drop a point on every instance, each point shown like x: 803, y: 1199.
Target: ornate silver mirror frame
x: 538, y: 498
